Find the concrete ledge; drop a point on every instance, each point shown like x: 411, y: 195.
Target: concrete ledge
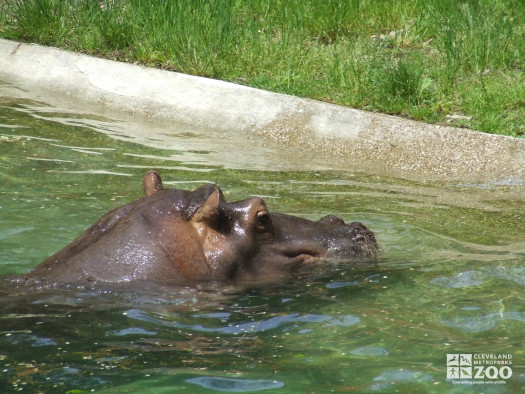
x: 358, y: 139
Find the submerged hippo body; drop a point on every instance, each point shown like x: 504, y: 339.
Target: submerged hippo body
x: 179, y: 235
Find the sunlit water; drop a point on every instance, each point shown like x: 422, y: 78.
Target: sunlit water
x: 451, y: 278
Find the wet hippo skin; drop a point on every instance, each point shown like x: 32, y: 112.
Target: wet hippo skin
x: 188, y: 236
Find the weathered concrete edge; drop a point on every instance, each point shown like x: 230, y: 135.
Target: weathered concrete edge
x: 361, y: 140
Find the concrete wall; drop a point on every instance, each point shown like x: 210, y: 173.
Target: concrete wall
x: 360, y: 140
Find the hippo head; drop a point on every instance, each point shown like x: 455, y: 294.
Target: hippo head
x: 181, y: 235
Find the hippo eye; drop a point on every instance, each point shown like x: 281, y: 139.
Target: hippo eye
x: 263, y: 220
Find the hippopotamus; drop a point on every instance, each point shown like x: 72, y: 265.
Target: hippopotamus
x: 191, y: 236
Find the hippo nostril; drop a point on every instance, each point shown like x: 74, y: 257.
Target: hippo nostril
x: 359, y: 237
x: 364, y: 241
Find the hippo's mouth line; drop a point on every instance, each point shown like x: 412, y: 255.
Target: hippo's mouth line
x: 299, y: 261
x: 302, y: 252
x: 303, y: 256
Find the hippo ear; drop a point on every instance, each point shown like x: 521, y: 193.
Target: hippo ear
x: 152, y: 183
x: 207, y: 212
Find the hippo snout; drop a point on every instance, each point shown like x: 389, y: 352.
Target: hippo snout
x: 327, y: 238
x: 356, y: 241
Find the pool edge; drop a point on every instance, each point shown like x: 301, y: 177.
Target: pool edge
x: 360, y: 140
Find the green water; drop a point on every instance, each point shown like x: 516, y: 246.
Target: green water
x: 451, y: 278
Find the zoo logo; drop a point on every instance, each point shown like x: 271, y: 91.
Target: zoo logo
x: 477, y: 366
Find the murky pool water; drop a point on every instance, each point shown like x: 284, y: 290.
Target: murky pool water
x: 451, y: 279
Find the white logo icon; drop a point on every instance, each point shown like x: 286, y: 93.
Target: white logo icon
x: 452, y: 373
x: 465, y: 359
x: 465, y: 372
x: 452, y: 360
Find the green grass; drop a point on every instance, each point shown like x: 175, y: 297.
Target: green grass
x: 421, y: 59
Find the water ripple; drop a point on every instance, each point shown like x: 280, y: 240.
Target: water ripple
x: 389, y: 378
x: 232, y: 385
x: 370, y: 351
x: 463, y: 279
x: 92, y: 172
x: 514, y: 274
x: 248, y: 327
x: 14, y: 231
x: 337, y: 284
x: 30, y: 339
x: 482, y: 323
x: 131, y: 331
